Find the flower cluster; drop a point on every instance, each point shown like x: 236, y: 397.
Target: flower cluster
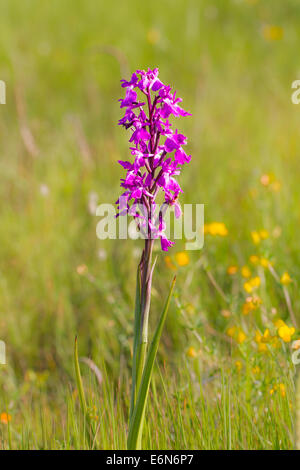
x: 157, y: 151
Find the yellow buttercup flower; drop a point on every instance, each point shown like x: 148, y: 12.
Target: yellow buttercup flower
x: 191, y: 352
x: 251, y: 304
x: 241, y: 336
x: 252, y: 284
x: 263, y: 234
x: 254, y: 259
x: 285, y: 279
x: 282, y: 390
x: 245, y: 271
x: 285, y: 333
x: 262, y: 340
x: 262, y: 347
x: 248, y: 288
x: 5, y: 418
x: 231, y: 270
x: 280, y: 387
x: 275, y: 342
x: 276, y: 186
x: 182, y: 258
x: 278, y: 323
x: 264, y: 262
x: 247, y: 308
x: 231, y: 331
x: 255, y: 237
x: 216, y: 228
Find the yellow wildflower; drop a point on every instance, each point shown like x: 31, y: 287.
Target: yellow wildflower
x: 231, y: 331
x: 5, y: 418
x: 168, y: 262
x: 182, y: 258
x: 245, y: 271
x: 251, y: 304
x: 247, y: 308
x: 282, y: 390
x: 285, y: 332
x: 241, y: 336
x: 272, y: 33
x: 254, y: 259
x: 278, y: 323
x: 216, y: 228
x: 276, y: 186
x: 248, y: 288
x: 256, y: 370
x: 285, y: 279
x: 262, y: 340
x: 232, y: 270
x: 266, y: 336
x: 275, y: 342
x: 263, y: 234
x: 255, y: 237
x: 191, y: 352
x: 253, y: 283
x: 264, y: 262
x: 262, y: 347
x: 238, y: 365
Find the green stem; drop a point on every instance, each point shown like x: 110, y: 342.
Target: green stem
x: 145, y: 308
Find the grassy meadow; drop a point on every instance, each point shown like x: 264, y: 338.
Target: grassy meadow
x: 224, y: 377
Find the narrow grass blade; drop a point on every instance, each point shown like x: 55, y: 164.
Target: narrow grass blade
x: 87, y: 421
x: 137, y: 420
x: 79, y: 380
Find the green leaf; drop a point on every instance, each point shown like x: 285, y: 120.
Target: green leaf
x: 137, y: 419
x: 136, y: 333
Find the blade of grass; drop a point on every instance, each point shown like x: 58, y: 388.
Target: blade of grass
x: 88, y: 425
x: 137, y: 420
x: 79, y: 380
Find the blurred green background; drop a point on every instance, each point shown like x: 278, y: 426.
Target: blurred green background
x: 233, y: 63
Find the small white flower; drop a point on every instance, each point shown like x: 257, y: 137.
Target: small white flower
x: 102, y: 255
x: 93, y: 202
